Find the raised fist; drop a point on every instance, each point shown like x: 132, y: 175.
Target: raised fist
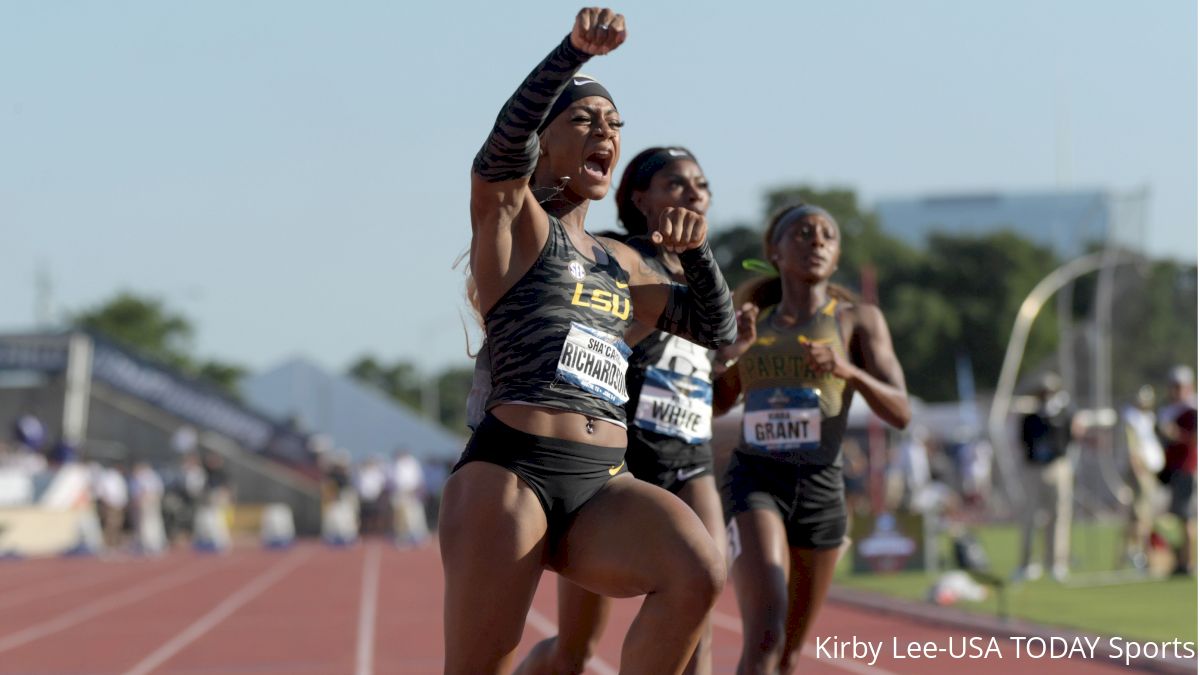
x: 598, y: 30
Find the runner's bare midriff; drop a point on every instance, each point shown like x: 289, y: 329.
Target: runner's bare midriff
x: 570, y: 426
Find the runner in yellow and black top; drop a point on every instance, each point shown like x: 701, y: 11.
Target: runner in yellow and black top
x: 797, y: 364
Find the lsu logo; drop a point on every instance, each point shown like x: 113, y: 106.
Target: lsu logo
x: 576, y: 270
x: 602, y: 301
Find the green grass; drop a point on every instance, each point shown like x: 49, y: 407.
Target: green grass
x: 1153, y: 609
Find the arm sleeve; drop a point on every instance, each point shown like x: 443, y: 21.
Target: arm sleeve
x: 511, y: 150
x: 701, y: 311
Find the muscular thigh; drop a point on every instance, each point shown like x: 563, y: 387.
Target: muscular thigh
x: 628, y: 536
x: 488, y: 512
x: 701, y: 495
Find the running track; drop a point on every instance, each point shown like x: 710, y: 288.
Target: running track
x: 367, y: 610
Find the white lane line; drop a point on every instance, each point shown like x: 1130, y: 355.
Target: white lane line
x: 734, y: 625
x: 219, y: 613
x: 548, y: 628
x: 368, y: 602
x: 105, y: 604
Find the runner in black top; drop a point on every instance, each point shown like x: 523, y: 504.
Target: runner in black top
x: 541, y: 483
x: 669, y: 412
x: 801, y: 361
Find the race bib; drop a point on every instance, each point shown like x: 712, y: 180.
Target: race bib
x: 595, y: 362
x: 676, y: 405
x: 783, y: 420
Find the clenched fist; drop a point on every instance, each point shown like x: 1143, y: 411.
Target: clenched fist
x: 677, y: 229
x: 598, y: 31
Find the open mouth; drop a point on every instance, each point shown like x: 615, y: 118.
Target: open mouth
x: 598, y: 163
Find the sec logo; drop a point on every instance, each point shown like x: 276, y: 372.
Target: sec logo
x: 576, y: 270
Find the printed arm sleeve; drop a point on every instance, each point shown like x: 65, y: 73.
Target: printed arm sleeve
x: 511, y: 150
x: 701, y: 311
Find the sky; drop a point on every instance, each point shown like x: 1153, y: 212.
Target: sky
x: 293, y: 176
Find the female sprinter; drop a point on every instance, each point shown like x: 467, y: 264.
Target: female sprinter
x: 669, y: 410
x: 541, y: 484
x: 806, y: 347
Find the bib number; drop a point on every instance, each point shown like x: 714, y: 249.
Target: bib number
x: 676, y: 405
x: 783, y: 420
x: 595, y: 362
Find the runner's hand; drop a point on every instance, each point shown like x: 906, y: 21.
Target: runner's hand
x: 823, y: 358
x: 598, y: 31
x: 677, y: 229
x: 747, y: 324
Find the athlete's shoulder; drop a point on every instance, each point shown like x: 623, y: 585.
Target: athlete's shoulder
x: 865, y: 316
x: 626, y: 256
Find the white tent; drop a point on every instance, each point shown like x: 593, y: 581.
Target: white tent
x: 355, y: 416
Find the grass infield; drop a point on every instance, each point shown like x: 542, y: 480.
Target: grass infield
x: 1097, y: 598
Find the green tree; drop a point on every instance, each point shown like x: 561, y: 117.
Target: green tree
x: 143, y: 324
x: 149, y: 327
x: 732, y: 245
x: 453, y: 386
x: 1154, y: 315
x: 982, y: 280
x: 400, y: 380
x: 404, y: 384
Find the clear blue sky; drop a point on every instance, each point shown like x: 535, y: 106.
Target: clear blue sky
x: 293, y: 176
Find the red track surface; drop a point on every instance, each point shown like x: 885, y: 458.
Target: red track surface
x: 370, y: 609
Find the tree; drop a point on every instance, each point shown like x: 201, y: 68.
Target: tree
x: 143, y: 324
x: 453, y: 386
x: 399, y: 380
x: 1154, y: 315
x: 403, y: 384
x: 153, y: 330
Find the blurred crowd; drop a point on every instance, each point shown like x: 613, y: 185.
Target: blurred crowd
x: 1153, y: 462
x: 397, y: 498
x: 127, y: 506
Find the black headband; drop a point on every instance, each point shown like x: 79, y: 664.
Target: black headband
x: 656, y: 161
x: 796, y: 213
x: 581, y: 86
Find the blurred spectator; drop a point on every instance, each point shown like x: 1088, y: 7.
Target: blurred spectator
x: 185, y: 440
x: 211, y: 530
x: 28, y: 431
x: 912, y: 464
x: 146, y: 493
x: 28, y: 436
x: 1144, y: 459
x: 1177, y: 425
x: 370, y: 481
x: 1048, y: 435
x: 856, y: 477
x: 62, y: 453
x: 339, y: 526
x: 408, y: 488
x: 436, y: 473
x: 975, y: 471
x: 182, y: 497
x: 112, y: 497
